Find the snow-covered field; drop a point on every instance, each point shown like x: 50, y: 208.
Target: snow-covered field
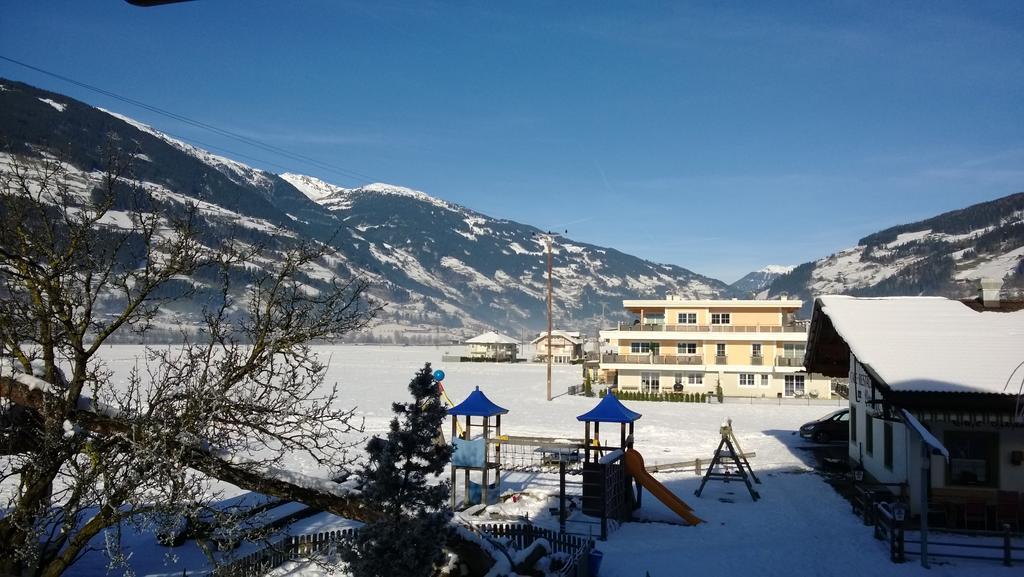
x: 800, y: 526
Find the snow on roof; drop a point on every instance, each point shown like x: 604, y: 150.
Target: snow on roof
x: 492, y: 338
x: 571, y: 336
x: 930, y: 344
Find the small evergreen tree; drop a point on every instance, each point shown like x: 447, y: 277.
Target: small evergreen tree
x: 409, y: 537
x: 587, y: 385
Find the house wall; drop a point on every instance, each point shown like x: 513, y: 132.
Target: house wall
x: 907, y: 446
x: 630, y: 379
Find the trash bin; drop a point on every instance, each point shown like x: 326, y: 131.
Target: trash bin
x: 594, y: 562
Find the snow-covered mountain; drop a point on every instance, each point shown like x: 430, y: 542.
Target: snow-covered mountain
x: 753, y: 284
x: 457, y: 259
x: 944, y: 255
x: 436, y: 263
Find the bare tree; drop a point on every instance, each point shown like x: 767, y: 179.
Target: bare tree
x: 84, y: 261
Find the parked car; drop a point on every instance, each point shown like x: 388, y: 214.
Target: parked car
x: 832, y: 426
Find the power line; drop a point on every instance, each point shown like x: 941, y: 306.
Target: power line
x: 358, y: 176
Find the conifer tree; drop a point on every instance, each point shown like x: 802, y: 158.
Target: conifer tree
x: 408, y: 539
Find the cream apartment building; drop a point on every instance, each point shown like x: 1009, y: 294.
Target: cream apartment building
x: 752, y: 348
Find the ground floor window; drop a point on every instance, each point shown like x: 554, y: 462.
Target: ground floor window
x: 680, y: 379
x: 764, y: 380
x: 973, y: 458
x: 649, y: 382
x: 869, y: 434
x: 747, y: 380
x: 695, y: 379
x: 794, y: 385
x: 887, y: 442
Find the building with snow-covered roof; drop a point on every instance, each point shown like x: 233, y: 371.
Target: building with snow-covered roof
x: 751, y: 348
x: 563, y: 346
x: 928, y: 371
x: 492, y: 346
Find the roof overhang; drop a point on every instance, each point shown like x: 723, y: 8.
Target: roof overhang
x: 827, y: 352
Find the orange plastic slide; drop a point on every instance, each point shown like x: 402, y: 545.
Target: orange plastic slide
x: 635, y: 466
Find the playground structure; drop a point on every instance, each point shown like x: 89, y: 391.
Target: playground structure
x: 478, y: 454
x: 608, y: 471
x: 729, y: 456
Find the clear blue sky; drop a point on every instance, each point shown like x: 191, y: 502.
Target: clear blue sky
x: 717, y: 136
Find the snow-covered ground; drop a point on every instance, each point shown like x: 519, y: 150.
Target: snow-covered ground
x: 800, y: 526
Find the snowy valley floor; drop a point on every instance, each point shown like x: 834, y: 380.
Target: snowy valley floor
x: 800, y: 526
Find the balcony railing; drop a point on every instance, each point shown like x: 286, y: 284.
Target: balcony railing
x: 789, y: 361
x: 713, y: 328
x: 721, y: 360
x: 653, y: 359
x: 756, y: 360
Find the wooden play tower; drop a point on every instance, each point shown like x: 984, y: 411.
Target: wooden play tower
x: 480, y: 453
x: 606, y: 491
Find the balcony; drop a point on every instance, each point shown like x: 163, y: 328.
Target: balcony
x: 789, y: 361
x: 721, y: 360
x: 653, y: 359
x: 713, y: 328
x: 756, y: 360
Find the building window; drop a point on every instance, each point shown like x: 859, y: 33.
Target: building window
x: 687, y: 318
x: 794, y: 350
x: 794, y: 385
x: 869, y: 434
x: 720, y: 350
x: 887, y: 441
x: 649, y: 382
x: 640, y: 348
x: 654, y: 319
x: 973, y: 458
x: 686, y: 348
x: 764, y: 380
x: 679, y: 379
x: 747, y: 380
x: 755, y: 350
x: 853, y: 423
x: 720, y: 318
x: 695, y: 379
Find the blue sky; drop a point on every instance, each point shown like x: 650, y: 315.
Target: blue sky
x: 718, y: 136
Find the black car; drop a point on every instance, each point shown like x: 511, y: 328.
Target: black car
x: 830, y: 427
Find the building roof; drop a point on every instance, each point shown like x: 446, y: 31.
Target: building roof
x: 571, y: 336
x: 477, y: 405
x: 492, y: 338
x: 919, y: 344
x: 676, y: 302
x: 610, y: 410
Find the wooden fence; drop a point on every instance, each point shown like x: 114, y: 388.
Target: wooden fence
x: 300, y: 547
x: 522, y: 535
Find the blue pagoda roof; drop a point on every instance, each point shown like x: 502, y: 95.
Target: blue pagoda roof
x: 610, y: 410
x: 477, y: 405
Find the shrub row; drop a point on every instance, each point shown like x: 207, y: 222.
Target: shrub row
x: 666, y: 397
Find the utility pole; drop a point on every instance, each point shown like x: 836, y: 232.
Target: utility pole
x: 547, y: 241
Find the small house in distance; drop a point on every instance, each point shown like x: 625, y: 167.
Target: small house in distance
x: 935, y: 397
x: 492, y: 346
x: 563, y: 346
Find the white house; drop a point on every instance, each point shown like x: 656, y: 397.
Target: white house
x: 930, y: 369
x: 492, y: 346
x: 563, y: 346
